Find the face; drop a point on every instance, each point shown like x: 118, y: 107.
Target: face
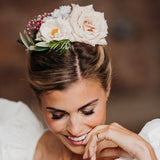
x: 72, y: 113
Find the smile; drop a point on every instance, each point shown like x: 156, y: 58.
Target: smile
x: 77, y: 138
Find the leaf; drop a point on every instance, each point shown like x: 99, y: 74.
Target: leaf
x: 29, y: 38
x: 36, y: 48
x: 24, y: 40
x: 42, y: 44
x: 32, y: 48
x: 60, y: 46
x: 20, y: 41
x: 41, y: 49
x: 62, y: 51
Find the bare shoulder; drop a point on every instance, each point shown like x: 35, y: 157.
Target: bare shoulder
x: 38, y: 155
x: 46, y: 148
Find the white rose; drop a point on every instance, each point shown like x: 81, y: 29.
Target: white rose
x: 88, y: 25
x: 54, y: 29
x: 55, y: 13
x: 63, y: 12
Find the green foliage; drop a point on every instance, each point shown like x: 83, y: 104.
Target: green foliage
x: 24, y: 40
x: 29, y: 38
x: 58, y: 46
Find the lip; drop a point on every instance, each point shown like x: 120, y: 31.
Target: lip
x: 77, y: 143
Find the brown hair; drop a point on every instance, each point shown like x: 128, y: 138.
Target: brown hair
x: 51, y: 71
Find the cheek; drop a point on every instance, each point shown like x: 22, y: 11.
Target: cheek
x: 100, y: 115
x: 98, y: 118
x: 55, y: 126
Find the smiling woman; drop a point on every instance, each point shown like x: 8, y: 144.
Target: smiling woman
x: 74, y: 118
x: 70, y: 72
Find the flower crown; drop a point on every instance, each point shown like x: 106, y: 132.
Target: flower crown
x: 56, y: 30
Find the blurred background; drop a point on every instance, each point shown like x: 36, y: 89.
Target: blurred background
x: 133, y: 42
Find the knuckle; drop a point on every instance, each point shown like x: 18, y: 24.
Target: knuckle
x: 92, y: 137
x: 114, y: 124
x: 112, y: 127
x: 94, y: 134
x: 99, y: 127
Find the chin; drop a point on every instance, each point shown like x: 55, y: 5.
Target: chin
x: 75, y: 148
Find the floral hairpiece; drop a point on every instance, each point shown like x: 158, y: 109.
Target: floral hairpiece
x: 56, y: 30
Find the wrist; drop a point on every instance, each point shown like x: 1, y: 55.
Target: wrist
x: 145, y: 151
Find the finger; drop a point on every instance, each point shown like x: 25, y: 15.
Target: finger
x: 93, y: 157
x: 92, y: 141
x: 114, y: 153
x: 118, y: 134
x: 91, y: 147
x: 105, y: 144
x: 92, y: 132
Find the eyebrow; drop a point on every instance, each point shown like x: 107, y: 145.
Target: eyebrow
x: 84, y: 106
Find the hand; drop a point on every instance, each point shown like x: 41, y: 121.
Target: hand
x: 117, y: 142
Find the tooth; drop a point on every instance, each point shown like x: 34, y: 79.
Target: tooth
x: 78, y: 139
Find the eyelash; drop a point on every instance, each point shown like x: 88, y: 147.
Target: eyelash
x: 54, y: 116
x: 88, y: 112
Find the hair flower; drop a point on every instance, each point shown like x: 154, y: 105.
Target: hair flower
x: 63, y: 26
x: 62, y: 12
x: 54, y: 29
x: 88, y: 26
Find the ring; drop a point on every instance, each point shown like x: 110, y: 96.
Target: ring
x: 97, y: 136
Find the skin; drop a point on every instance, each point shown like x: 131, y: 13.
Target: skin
x: 102, y: 141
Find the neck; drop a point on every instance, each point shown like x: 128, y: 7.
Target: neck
x: 58, y: 149
x: 71, y: 155
x: 68, y: 154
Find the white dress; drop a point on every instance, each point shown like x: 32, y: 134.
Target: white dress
x: 20, y: 131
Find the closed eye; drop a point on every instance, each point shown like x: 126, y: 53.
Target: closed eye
x: 87, y: 109
x: 88, y: 112
x: 57, y: 116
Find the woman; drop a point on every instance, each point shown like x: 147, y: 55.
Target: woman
x: 70, y: 72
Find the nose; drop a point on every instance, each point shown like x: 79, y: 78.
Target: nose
x: 75, y: 125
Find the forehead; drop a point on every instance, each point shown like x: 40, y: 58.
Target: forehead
x: 77, y: 95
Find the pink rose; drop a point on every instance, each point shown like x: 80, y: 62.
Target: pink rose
x: 88, y: 26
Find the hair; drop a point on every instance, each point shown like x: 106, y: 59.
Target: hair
x: 51, y: 71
